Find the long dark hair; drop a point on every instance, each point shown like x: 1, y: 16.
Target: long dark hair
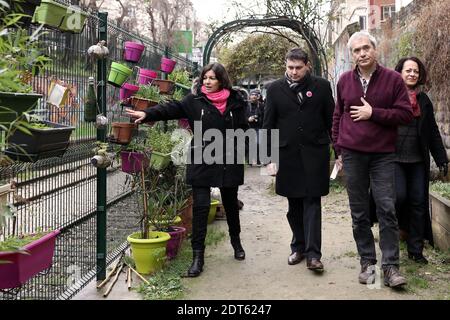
x: 422, y: 71
x: 221, y: 75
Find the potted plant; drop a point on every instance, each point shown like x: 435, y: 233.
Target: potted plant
x: 23, y: 257
x: 135, y: 157
x: 181, y: 77
x: 39, y: 140
x: 148, y: 247
x: 122, y: 132
x: 118, y: 74
x: 147, y: 96
x: 165, y: 86
x: 133, y: 51
x: 162, y: 146
x: 17, y: 51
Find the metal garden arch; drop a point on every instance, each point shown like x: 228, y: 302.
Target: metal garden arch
x: 318, y: 53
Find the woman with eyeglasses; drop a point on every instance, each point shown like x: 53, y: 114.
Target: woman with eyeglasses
x: 415, y: 141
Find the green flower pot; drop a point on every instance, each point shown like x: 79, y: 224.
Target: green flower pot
x: 59, y: 16
x: 212, y: 211
x: 118, y: 74
x: 13, y: 105
x: 159, y: 161
x: 50, y: 13
x: 149, y: 254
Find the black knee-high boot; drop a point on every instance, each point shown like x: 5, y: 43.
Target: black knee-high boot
x: 197, y: 263
x: 239, y: 253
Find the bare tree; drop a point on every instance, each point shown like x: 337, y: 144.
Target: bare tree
x: 166, y: 16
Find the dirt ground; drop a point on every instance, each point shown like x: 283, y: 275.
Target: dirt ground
x: 265, y: 274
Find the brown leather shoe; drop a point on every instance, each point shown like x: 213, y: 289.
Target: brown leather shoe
x: 295, y: 257
x: 367, y: 274
x: 392, y: 277
x: 314, y: 264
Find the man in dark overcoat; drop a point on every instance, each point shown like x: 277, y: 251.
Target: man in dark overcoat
x: 301, y: 106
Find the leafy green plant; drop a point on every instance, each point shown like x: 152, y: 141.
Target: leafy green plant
x: 19, y: 52
x: 441, y: 188
x: 150, y: 92
x: 178, y: 95
x: 160, y: 141
x: 180, y: 77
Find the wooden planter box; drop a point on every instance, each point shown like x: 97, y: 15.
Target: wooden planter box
x: 440, y: 220
x: 165, y: 86
x: 41, y: 144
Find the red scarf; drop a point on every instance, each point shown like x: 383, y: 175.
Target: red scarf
x: 413, y: 99
x: 218, y: 98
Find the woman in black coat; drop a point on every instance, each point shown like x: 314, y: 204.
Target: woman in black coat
x: 414, y: 144
x: 212, y: 105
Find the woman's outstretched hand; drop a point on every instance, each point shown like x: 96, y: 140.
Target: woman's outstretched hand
x: 138, y: 115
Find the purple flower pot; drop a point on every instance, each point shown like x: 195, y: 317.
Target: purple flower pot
x: 167, y: 65
x: 176, y: 239
x: 146, y: 76
x: 133, y: 162
x: 21, y: 267
x: 128, y: 90
x: 133, y: 51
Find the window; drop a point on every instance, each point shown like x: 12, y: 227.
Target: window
x: 387, y: 12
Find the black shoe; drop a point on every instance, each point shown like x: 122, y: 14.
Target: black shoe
x: 197, y: 263
x: 239, y: 253
x: 314, y: 264
x: 418, y: 258
x: 295, y: 258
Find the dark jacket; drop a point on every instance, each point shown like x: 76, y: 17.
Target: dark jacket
x: 198, y: 108
x: 430, y: 141
x: 257, y: 110
x: 304, y: 131
x: 389, y: 99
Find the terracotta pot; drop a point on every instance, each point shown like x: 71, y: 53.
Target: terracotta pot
x: 140, y: 104
x: 165, y: 86
x: 123, y: 132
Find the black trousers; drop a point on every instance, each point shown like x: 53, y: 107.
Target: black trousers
x: 374, y: 170
x: 201, y: 205
x: 305, y: 219
x: 411, y: 202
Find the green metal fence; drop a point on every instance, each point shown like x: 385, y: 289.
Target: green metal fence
x: 61, y: 192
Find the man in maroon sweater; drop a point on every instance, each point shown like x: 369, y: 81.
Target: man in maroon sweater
x: 371, y: 102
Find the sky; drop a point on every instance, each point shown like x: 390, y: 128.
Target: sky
x: 208, y: 10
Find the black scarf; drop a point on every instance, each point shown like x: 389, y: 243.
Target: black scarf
x: 298, y: 86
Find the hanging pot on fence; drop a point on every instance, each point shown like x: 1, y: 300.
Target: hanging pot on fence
x: 118, y: 74
x: 165, y: 86
x: 146, y: 76
x: 133, y: 51
x: 133, y: 162
x: 20, y: 267
x: 167, y: 65
x: 140, y: 104
x: 123, y: 132
x: 127, y: 90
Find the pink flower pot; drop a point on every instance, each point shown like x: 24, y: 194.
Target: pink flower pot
x: 133, y: 51
x: 167, y: 65
x: 146, y: 76
x: 133, y: 162
x: 127, y: 90
x: 176, y: 239
x: 22, y: 267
